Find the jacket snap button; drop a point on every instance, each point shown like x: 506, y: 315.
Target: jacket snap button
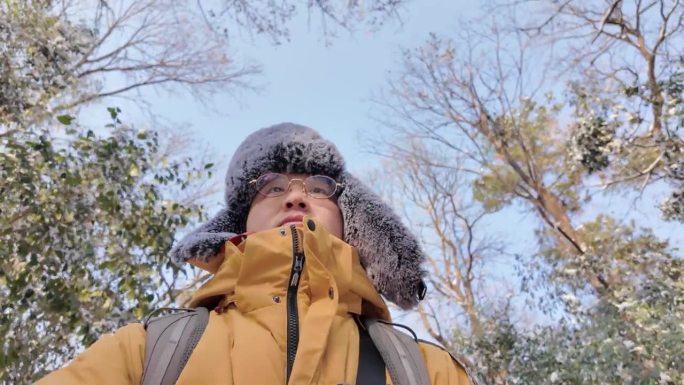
x: 331, y: 293
x: 282, y: 232
x: 311, y: 224
x: 276, y: 299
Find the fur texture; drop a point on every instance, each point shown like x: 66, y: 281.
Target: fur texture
x: 390, y: 254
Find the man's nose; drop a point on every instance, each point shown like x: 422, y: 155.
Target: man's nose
x: 296, y: 195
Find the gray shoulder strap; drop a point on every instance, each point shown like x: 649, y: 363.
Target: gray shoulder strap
x: 169, y: 342
x: 400, y: 352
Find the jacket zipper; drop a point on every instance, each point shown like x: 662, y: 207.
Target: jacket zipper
x: 292, y: 310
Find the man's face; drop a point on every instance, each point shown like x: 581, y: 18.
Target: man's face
x: 267, y: 213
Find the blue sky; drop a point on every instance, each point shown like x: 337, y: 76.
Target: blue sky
x: 327, y: 87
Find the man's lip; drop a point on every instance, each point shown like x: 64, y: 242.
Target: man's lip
x: 292, y: 219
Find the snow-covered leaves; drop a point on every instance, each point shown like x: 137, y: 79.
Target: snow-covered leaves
x: 83, y: 239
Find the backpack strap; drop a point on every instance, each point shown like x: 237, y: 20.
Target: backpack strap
x: 400, y: 352
x: 371, y: 369
x: 169, y: 342
x: 170, y: 339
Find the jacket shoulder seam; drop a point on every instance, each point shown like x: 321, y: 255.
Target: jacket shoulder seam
x: 467, y: 368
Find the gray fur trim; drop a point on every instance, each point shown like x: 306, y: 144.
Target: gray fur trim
x: 205, y: 241
x: 389, y: 252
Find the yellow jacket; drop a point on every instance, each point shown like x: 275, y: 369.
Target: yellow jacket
x: 246, y: 339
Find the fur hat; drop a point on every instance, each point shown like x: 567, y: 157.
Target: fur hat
x: 389, y: 253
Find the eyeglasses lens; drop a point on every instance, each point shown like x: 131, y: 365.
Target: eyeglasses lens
x: 320, y: 186
x: 316, y: 186
x: 272, y: 185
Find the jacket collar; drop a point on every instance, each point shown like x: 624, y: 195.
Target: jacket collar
x: 255, y: 272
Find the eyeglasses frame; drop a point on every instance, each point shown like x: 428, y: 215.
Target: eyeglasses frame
x: 338, y: 186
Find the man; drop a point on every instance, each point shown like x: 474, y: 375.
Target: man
x: 301, y: 251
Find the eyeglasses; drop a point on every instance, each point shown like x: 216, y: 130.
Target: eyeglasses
x: 316, y: 186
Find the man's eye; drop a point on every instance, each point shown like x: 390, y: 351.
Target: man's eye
x: 317, y: 190
x: 275, y: 189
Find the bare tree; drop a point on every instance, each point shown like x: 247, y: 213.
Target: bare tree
x: 136, y: 44
x: 485, y: 106
x: 271, y: 18
x: 632, y: 52
x: 475, y: 98
x: 446, y: 88
x: 112, y: 48
x: 434, y: 192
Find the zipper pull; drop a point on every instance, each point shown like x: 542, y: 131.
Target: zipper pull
x: 298, y: 266
x: 299, y: 262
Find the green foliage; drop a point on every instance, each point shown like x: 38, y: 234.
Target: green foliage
x: 494, y: 190
x: 36, y: 58
x: 673, y: 207
x: 615, y: 135
x: 528, y: 133
x: 673, y: 157
x: 591, y: 143
x: 65, y: 119
x: 85, y: 232
x: 631, y: 334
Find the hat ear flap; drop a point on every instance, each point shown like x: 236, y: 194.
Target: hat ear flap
x: 205, y: 241
x: 390, y: 254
